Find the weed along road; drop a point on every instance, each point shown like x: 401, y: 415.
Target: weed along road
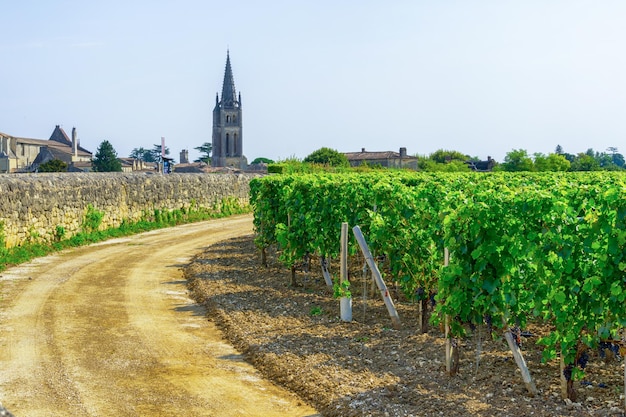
x: 109, y: 330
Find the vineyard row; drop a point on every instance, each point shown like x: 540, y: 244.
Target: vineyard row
x: 550, y: 247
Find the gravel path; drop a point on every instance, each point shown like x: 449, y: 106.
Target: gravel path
x: 109, y: 330
x: 366, y: 368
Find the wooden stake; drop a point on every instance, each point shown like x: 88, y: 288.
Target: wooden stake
x: 343, y: 272
x: 424, y: 315
x: 343, y: 253
x: 448, y: 347
x: 446, y: 261
x: 519, y: 360
x: 293, y: 267
x: 384, y: 292
x: 364, y: 291
x: 326, y: 272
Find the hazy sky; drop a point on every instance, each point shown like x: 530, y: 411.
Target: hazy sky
x: 480, y: 77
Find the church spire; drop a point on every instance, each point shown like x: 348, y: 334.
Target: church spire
x: 229, y: 95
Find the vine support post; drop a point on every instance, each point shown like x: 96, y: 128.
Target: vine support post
x: 423, y: 313
x: 293, y: 267
x: 448, y: 346
x: 364, y: 290
x: 326, y: 272
x: 343, y: 253
x: 519, y: 359
x: 346, y: 301
x: 384, y: 292
x: 451, y: 348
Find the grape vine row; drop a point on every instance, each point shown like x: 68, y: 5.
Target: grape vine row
x: 551, y: 247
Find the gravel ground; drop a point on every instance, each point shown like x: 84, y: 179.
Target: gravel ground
x: 4, y: 412
x: 295, y: 337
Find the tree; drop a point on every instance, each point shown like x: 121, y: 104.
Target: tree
x: 553, y: 162
x: 155, y: 152
x: 444, y: 161
x: 327, y: 156
x: 142, y: 154
x: 428, y: 165
x: 616, y: 157
x: 55, y: 165
x: 585, y: 162
x: 261, y: 160
x: 558, y: 150
x: 106, y: 159
x: 518, y: 160
x: 205, y: 149
x: 442, y: 156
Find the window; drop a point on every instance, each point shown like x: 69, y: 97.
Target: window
x: 227, y: 119
x: 228, y: 144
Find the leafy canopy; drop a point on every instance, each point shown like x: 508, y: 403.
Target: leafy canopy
x: 518, y: 160
x: 205, y: 149
x: 106, y: 159
x: 142, y: 154
x: 55, y: 165
x: 262, y: 160
x: 327, y: 156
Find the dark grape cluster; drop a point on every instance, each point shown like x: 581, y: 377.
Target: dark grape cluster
x: 567, y: 372
x: 612, y: 346
x: 419, y: 293
x: 582, y: 360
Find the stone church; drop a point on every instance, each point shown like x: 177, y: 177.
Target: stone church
x: 227, y: 125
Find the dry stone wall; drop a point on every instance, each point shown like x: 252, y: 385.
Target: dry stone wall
x: 34, y: 206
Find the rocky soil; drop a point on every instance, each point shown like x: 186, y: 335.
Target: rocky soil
x: 295, y: 337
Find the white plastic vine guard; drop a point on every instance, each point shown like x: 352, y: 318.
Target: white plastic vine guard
x: 345, y: 308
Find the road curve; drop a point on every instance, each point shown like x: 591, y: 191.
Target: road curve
x: 109, y: 330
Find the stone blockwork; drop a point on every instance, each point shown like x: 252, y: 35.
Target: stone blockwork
x: 34, y: 207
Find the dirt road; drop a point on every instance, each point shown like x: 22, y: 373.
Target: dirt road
x: 109, y: 330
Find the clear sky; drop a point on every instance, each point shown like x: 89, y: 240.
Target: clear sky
x: 480, y: 77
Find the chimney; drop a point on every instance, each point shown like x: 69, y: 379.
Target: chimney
x: 74, y: 142
x: 362, y: 149
x: 402, y: 152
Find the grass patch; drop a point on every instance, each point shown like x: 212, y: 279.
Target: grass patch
x: 158, y: 219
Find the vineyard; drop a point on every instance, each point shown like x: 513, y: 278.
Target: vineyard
x: 541, y: 248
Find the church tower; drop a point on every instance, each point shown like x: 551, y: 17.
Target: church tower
x: 227, y: 143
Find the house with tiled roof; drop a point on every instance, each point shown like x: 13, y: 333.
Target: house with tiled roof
x: 386, y: 159
x: 19, y: 154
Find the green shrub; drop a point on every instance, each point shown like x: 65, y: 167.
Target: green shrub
x: 59, y: 233
x: 93, y: 219
x: 274, y: 169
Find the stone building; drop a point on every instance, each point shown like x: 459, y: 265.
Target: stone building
x: 227, y: 125
x: 386, y: 159
x: 184, y: 156
x: 25, y: 155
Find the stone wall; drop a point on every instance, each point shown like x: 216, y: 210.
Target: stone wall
x: 32, y: 206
